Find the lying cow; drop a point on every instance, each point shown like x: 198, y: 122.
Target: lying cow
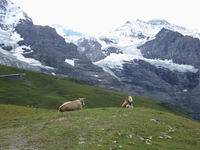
x: 128, y: 102
x: 72, y: 105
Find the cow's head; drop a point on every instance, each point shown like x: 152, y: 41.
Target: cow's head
x: 82, y: 101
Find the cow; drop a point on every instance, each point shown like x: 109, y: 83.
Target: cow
x: 72, y: 105
x: 128, y: 102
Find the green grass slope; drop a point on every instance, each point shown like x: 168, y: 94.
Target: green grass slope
x: 101, y: 125
x: 96, y: 129
x: 46, y: 91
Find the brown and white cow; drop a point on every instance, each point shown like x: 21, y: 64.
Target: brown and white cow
x: 72, y: 105
x: 128, y: 102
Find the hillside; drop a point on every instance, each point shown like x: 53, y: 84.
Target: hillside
x: 47, y: 91
x: 41, y: 90
x: 96, y: 129
x: 101, y: 125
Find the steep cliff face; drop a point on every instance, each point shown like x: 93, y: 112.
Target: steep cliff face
x: 91, y: 49
x: 48, y: 47
x: 172, y: 45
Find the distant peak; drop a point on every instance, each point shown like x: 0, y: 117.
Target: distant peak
x: 158, y: 22
x: 128, y: 22
x: 135, y: 21
x: 138, y: 20
x: 151, y: 22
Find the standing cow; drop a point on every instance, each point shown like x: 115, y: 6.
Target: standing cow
x: 72, y: 105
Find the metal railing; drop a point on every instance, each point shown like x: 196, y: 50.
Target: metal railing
x: 12, y: 75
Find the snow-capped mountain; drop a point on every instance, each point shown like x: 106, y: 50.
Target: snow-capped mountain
x: 149, y: 29
x: 121, y: 45
x: 10, y: 17
x: 133, y: 34
x: 154, y: 58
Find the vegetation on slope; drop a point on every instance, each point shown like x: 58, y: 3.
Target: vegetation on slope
x: 101, y: 125
x: 47, y: 91
x: 96, y: 129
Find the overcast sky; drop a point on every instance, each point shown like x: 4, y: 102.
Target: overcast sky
x: 94, y: 16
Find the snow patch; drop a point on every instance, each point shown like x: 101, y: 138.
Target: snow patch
x: 13, y: 15
x: 171, y: 66
x: 185, y: 90
x: 115, y: 60
x: 9, y: 20
x: 10, y: 38
x: 70, y: 61
x: 132, y: 53
x: 21, y: 50
x: 96, y: 75
x: 18, y: 53
x: 53, y: 73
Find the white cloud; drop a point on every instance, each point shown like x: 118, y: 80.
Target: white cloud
x: 93, y: 16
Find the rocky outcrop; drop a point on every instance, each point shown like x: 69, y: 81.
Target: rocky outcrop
x: 112, y: 49
x: 91, y: 49
x: 48, y: 47
x: 173, y: 45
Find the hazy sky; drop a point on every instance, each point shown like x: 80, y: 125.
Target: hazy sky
x: 94, y: 16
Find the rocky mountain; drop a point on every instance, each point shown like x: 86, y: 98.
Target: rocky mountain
x: 173, y: 45
x: 155, y: 58
x: 48, y: 47
x: 10, y: 15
